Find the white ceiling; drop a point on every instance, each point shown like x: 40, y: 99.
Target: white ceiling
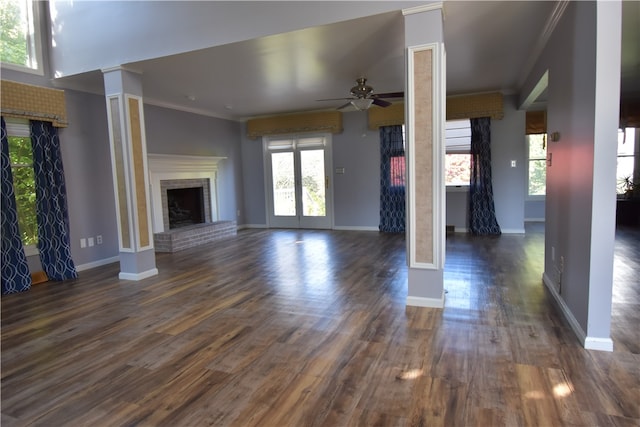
x: 490, y: 46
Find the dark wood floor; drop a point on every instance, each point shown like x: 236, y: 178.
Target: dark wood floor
x: 305, y: 328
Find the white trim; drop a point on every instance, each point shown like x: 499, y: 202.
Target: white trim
x: 199, y: 111
x: 426, y: 302
x: 438, y: 189
x: 513, y: 231
x: 120, y: 68
x: 138, y: 276
x: 589, y: 343
x: 600, y: 344
x: 461, y: 230
x: 168, y: 167
x: 543, y: 39
x: 99, y: 263
x: 125, y: 163
x: 457, y: 188
x: 423, y: 8
x: 534, y: 220
x: 355, y: 228
x: 247, y: 226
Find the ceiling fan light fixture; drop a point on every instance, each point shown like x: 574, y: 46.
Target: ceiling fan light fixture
x: 362, y: 103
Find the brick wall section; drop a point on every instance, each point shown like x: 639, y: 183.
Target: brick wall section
x: 194, y: 235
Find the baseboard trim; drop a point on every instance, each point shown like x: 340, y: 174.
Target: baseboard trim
x: 138, y: 276
x: 426, y: 302
x: 99, y: 263
x: 461, y: 230
x: 244, y: 226
x: 513, y: 231
x: 589, y: 343
x: 354, y: 228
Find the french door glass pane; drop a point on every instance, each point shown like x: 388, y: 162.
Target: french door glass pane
x: 284, y: 200
x: 313, y: 186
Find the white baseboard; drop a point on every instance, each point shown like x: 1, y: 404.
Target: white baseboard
x: 99, y: 263
x: 243, y: 226
x: 461, y: 230
x: 138, y: 276
x: 589, y: 343
x: 426, y: 302
x: 513, y: 231
x: 354, y: 228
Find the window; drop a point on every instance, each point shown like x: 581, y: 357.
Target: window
x: 458, y: 152
x: 626, y: 160
x: 537, y: 156
x: 20, y: 34
x: 24, y: 185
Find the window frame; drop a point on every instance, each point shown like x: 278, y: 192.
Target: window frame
x: 21, y: 128
x: 35, y: 53
x: 534, y: 197
x: 464, y: 148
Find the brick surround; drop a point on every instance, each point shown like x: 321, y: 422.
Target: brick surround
x: 182, y: 238
x: 171, y: 184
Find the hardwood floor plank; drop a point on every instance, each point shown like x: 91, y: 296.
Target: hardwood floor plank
x: 310, y: 328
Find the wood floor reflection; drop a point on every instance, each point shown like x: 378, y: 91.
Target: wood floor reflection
x: 306, y: 328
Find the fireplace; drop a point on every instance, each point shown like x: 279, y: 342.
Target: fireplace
x: 185, y: 206
x: 169, y: 172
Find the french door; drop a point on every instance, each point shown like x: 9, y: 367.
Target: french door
x: 297, y: 176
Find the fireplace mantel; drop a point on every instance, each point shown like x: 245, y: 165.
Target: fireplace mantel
x: 174, y: 167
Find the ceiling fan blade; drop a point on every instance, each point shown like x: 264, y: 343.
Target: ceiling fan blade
x: 388, y: 95
x: 343, y: 106
x: 333, y: 99
x: 381, y: 103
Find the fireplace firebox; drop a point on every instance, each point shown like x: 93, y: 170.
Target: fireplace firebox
x: 185, y: 206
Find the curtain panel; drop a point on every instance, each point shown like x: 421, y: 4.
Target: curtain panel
x: 51, y: 203
x: 392, y: 180
x: 482, y: 214
x: 14, y: 270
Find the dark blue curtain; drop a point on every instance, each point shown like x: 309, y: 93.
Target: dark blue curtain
x: 392, y: 180
x: 482, y: 214
x: 51, y: 203
x: 15, y: 271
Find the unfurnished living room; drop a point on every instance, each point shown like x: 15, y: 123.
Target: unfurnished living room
x: 320, y: 213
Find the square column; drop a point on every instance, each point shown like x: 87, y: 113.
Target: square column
x: 425, y: 122
x: 123, y: 92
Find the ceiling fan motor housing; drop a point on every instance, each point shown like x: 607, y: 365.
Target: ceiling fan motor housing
x: 362, y: 90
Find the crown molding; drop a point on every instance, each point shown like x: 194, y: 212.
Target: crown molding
x: 423, y: 8
x: 543, y: 39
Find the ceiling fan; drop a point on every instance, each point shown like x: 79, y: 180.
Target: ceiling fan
x: 362, y: 96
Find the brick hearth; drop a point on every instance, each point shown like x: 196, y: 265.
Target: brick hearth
x: 181, y: 238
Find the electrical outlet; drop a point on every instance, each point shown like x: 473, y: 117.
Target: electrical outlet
x: 83, y: 243
x: 90, y: 241
x: 99, y: 239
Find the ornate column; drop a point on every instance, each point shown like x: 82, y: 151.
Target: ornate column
x: 425, y: 120
x: 123, y: 92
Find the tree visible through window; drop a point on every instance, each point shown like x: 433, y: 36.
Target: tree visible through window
x: 458, y: 152
x: 18, y: 38
x: 626, y: 161
x: 537, y: 155
x: 24, y: 185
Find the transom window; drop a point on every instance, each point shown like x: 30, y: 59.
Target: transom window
x: 20, y: 35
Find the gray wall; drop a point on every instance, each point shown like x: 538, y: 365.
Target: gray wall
x: 580, y: 216
x: 357, y: 191
x: 87, y: 167
x: 176, y: 132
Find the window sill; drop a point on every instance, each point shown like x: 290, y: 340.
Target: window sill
x: 457, y: 188
x: 534, y: 198
x: 31, y: 250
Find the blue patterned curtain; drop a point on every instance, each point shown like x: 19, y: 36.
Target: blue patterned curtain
x: 482, y: 214
x: 15, y: 271
x: 392, y: 180
x: 51, y: 203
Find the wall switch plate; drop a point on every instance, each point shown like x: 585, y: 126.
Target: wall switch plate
x: 99, y: 239
x: 513, y: 163
x: 83, y: 243
x: 339, y: 171
x: 90, y: 241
